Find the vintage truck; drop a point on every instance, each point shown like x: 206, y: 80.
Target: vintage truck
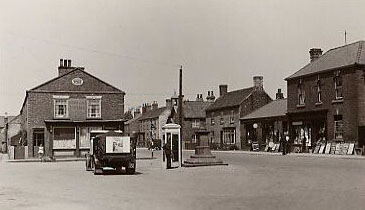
x: 111, y: 149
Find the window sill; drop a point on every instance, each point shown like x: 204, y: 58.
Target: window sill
x: 337, y: 101
x: 61, y: 118
x: 93, y: 118
x: 318, y: 103
x: 300, y: 105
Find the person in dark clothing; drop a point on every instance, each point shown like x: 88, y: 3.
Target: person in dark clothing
x: 283, y: 145
x: 167, y: 151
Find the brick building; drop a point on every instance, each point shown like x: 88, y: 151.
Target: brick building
x: 194, y: 116
x: 267, y: 124
x: 326, y: 98
x: 153, y: 119
x: 224, y: 114
x: 60, y: 113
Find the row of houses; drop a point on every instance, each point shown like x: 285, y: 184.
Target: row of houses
x: 325, y: 103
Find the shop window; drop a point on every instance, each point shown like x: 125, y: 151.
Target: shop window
x: 93, y: 106
x: 338, y: 127
x: 196, y: 123
x: 64, y: 134
x: 229, y: 136
x: 301, y: 93
x: 60, y: 106
x: 338, y: 85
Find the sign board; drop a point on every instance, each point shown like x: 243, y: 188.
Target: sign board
x: 118, y: 144
x: 351, y: 149
x: 255, y: 146
x: 321, y: 149
x: 328, y: 148
x: 297, y: 123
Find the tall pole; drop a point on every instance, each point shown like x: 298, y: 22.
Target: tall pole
x: 180, y: 112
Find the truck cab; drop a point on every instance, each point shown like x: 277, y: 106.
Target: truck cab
x: 111, y: 149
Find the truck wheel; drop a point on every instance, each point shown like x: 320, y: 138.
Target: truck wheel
x: 119, y: 169
x: 130, y: 170
x: 98, y: 171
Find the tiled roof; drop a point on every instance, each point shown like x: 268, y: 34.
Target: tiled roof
x: 275, y: 108
x: 195, y: 109
x: 133, y: 119
x: 153, y: 113
x: 230, y: 99
x: 335, y: 58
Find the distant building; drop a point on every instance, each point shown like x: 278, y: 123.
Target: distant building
x: 4, y: 120
x: 195, y: 118
x: 154, y: 118
x: 326, y: 98
x: 61, y: 113
x: 224, y: 114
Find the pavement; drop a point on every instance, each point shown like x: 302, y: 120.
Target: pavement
x: 5, y: 158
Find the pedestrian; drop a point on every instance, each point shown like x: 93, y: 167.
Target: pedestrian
x: 287, y: 144
x: 283, y: 144
x: 40, y: 151
x: 167, y: 151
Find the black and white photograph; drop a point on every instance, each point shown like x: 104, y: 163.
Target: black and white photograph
x: 182, y: 104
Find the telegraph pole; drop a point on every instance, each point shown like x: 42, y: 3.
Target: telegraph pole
x: 180, y: 111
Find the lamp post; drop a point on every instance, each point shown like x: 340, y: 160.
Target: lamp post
x: 255, y: 126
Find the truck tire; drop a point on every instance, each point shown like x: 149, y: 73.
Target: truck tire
x: 130, y: 170
x: 119, y: 170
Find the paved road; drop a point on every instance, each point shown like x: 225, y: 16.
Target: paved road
x: 248, y: 182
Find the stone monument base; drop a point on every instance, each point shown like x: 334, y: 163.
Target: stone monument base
x: 202, y: 157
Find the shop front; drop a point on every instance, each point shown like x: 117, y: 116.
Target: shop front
x: 67, y: 139
x: 307, y: 130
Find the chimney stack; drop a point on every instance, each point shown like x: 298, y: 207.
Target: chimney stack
x: 279, y: 94
x: 199, y: 97
x: 315, y: 53
x: 137, y: 112
x: 154, y: 105
x: 258, y: 82
x: 65, y: 67
x: 210, y: 97
x: 223, y: 90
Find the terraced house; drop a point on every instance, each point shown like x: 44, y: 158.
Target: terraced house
x: 61, y: 113
x: 223, y: 116
x: 326, y: 98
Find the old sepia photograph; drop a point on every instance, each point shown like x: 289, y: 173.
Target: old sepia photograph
x: 182, y: 104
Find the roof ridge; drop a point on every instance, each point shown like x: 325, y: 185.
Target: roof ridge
x: 360, y: 41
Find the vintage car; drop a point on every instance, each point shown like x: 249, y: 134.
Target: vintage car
x: 111, y: 150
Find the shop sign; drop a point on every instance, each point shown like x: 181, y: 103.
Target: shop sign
x: 297, y: 123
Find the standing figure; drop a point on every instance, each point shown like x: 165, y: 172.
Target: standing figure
x: 167, y: 151
x: 283, y: 145
x: 40, y: 151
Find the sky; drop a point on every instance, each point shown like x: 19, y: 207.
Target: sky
x: 138, y: 46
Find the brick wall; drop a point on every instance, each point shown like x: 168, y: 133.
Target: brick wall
x: 349, y: 107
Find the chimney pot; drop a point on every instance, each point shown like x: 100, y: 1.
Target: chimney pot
x: 69, y: 63
x: 315, y: 53
x: 61, y: 62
